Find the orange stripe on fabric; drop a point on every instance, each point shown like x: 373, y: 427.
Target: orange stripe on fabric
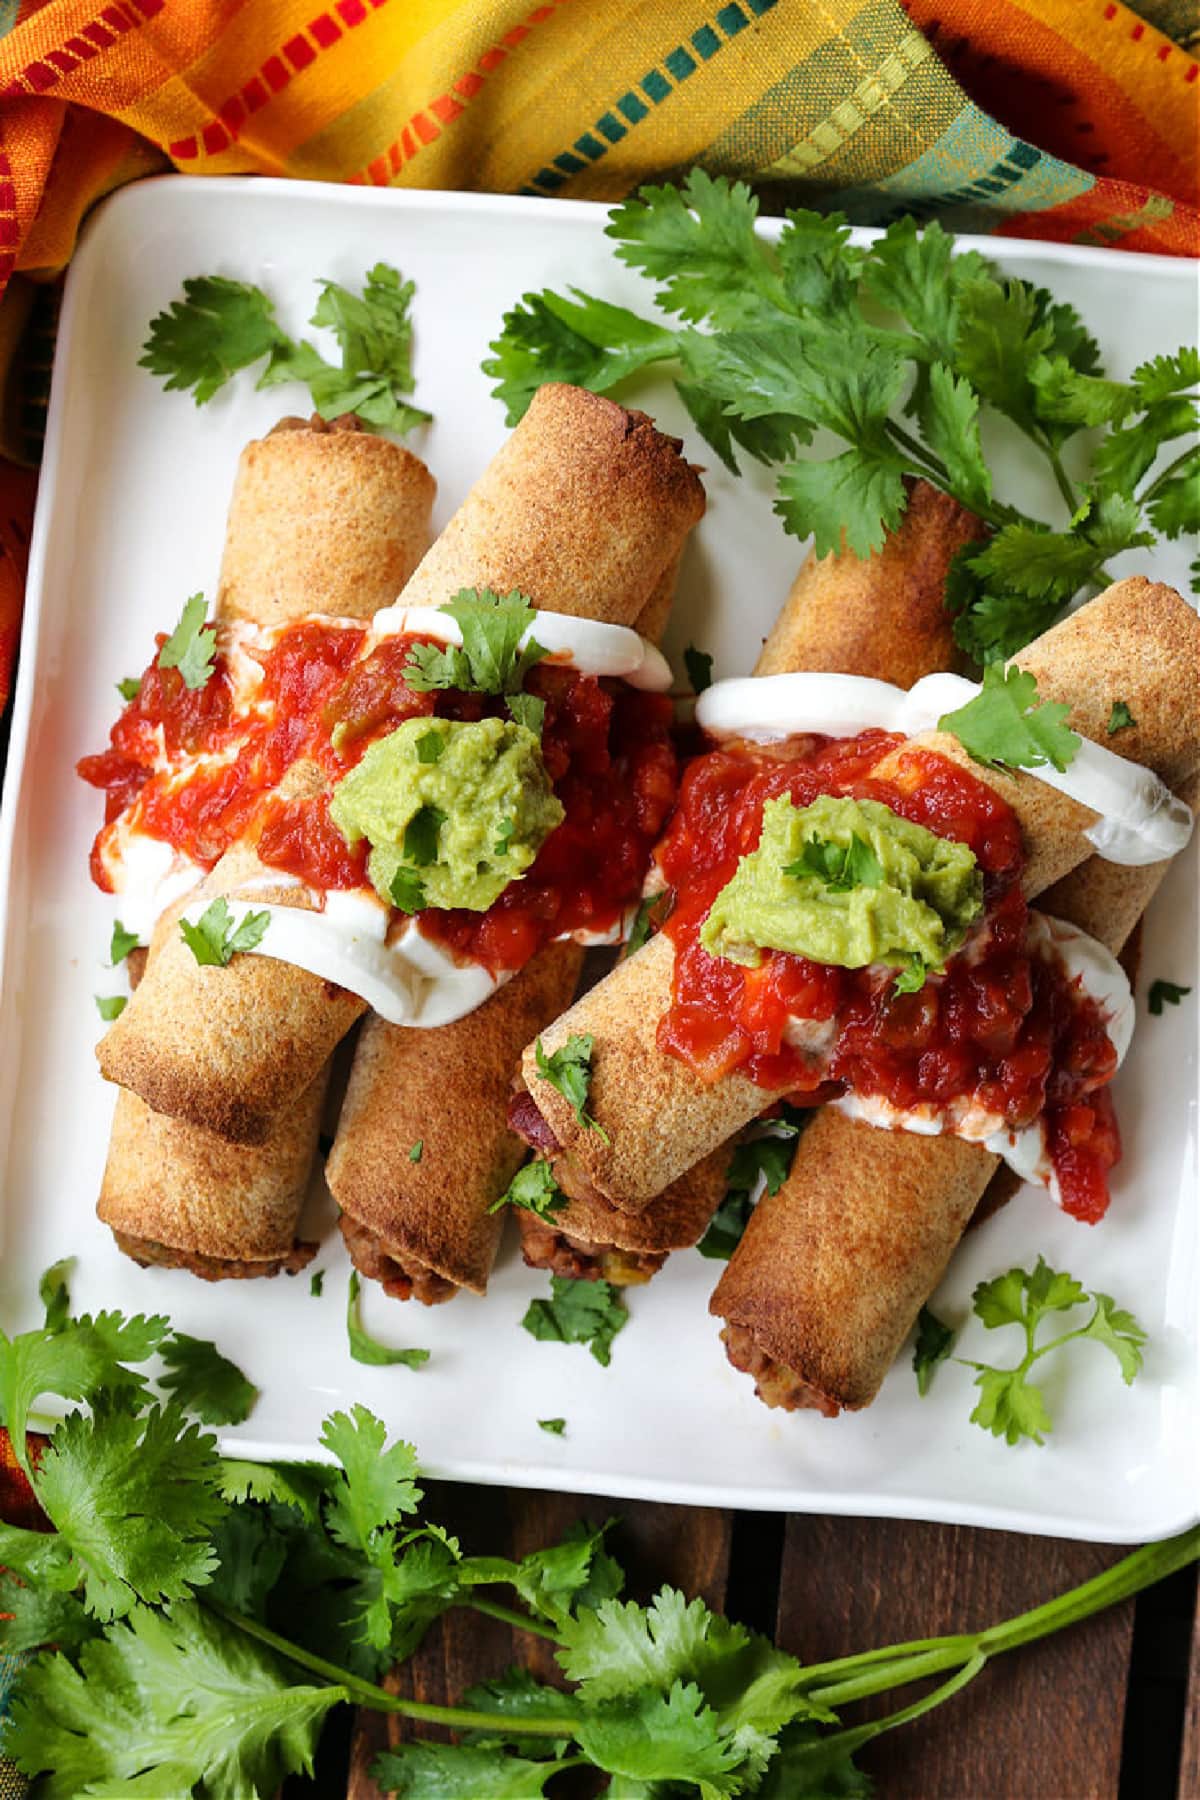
x: 1088, y: 217
x: 1071, y: 77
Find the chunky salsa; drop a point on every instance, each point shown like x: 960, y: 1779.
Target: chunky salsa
x: 1000, y: 1028
x: 201, y: 770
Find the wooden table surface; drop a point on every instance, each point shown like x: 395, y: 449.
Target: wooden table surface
x: 1102, y: 1712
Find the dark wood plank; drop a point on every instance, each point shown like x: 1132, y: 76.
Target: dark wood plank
x: 1189, y: 1762
x: 685, y: 1546
x: 1046, y: 1719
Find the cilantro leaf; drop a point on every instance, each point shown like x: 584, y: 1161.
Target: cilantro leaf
x: 490, y: 660
x: 110, y: 1006
x: 1174, y: 506
x: 698, y: 664
x: 725, y: 1228
x: 1120, y: 718
x: 122, y: 943
x: 1005, y: 726
x: 1000, y: 331
x: 129, y: 687
x: 840, y: 867
x: 417, y: 1151
x: 316, y: 1284
x: 378, y: 1485
x: 72, y: 1360
x: 1167, y: 993
x: 1125, y: 455
x: 133, y: 1496
x: 374, y: 334
x: 650, y: 914
x: 587, y: 342
x: 820, y: 267
x: 191, y: 647
x: 214, y: 939
x: 219, y: 327
x: 517, y: 1695
x: 698, y: 242
x: 556, y: 1427
x: 559, y: 1582
x: 421, y: 836
x: 366, y: 1349
x: 204, y: 1382
x: 504, y: 834
x: 407, y: 890
x: 430, y: 747
x: 40, y: 1615
x: 911, y: 978
x: 534, y: 1189
x: 569, y: 1069
x: 857, y: 496
x: 578, y: 1312
x: 181, y: 1700
x: 1163, y: 376
x: 428, y: 1771
x: 935, y: 1340
x: 1010, y: 1405
x: 760, y: 1163
x: 527, y: 710
x: 55, y: 1295
x: 950, y: 422
x: 662, y: 1737
x: 913, y: 272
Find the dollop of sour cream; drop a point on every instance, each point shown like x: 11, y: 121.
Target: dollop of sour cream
x: 1102, y: 978
x: 1140, y: 820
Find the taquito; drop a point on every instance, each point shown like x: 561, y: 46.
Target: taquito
x: 325, y: 519
x: 832, y: 1269
x: 423, y: 1146
x: 175, y: 1196
x: 585, y: 510
x: 1139, y: 640
x: 590, y: 1240
x: 854, y: 616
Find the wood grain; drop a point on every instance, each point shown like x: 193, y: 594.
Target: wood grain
x: 687, y: 1547
x: 1046, y: 1720
x: 1189, y: 1763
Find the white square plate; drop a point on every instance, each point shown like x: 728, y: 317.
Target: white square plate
x: 130, y: 521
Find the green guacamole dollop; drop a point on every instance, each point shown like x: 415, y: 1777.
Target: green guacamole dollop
x: 465, y: 806
x: 926, y: 891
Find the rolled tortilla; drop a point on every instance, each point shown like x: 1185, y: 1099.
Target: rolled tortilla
x: 1139, y: 640
x: 177, y: 1197
x: 584, y: 509
x: 412, y: 1214
x: 883, y: 616
x: 226, y: 1049
x: 590, y: 1240
x: 832, y: 1270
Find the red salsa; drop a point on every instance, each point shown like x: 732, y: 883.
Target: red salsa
x: 1001, y: 1028
x: 201, y: 771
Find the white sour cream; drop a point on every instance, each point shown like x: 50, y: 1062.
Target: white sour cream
x: 1141, y: 821
x: 1101, y: 977
x: 410, y: 980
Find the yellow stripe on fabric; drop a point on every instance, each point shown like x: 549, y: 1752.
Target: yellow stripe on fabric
x: 1110, y: 231
x: 873, y: 92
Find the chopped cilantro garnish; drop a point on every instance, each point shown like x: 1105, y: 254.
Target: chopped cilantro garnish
x: 316, y: 1283
x: 556, y: 1427
x: 650, y: 914
x: 935, y: 1340
x: 191, y: 647
x: 698, y: 664
x: 579, y: 1312
x: 215, y: 940
x: 129, y: 687
x: 110, y: 1006
x: 911, y: 978
x: 491, y: 660
x: 407, y: 890
x: 504, y: 837
x: 421, y: 836
x: 534, y: 1189
x: 1167, y: 993
x: 366, y: 1349
x: 430, y: 747
x: 1119, y: 717
x: 1004, y: 726
x: 840, y: 866
x: 569, y: 1069
x: 764, y: 1162
x: 417, y: 1151
x: 122, y: 943
x: 527, y: 710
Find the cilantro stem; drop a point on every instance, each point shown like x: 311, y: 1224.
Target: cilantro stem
x: 846, y: 1742
x: 1061, y: 478
x: 378, y: 1699
x: 1172, y: 468
x: 927, y: 467
x: 510, y: 1616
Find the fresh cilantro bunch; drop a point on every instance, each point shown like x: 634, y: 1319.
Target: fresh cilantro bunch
x: 208, y: 1615
x: 897, y: 350
x: 221, y: 326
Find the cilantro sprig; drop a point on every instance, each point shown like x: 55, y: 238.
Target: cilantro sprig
x: 1165, y: 993
x: 532, y: 1189
x: 840, y: 867
x: 1010, y: 1405
x: 569, y: 1069
x: 191, y: 647
x: 215, y: 940
x: 208, y: 1614
x: 366, y: 1349
x: 579, y: 1312
x: 760, y: 1164
x: 1005, y: 726
x: 900, y: 350
x: 492, y: 658
x: 222, y: 326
